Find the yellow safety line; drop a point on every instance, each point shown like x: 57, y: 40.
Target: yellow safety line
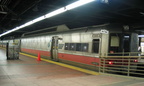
x: 2, y: 48
x: 65, y: 65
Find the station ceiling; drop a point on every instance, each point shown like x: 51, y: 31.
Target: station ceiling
x: 14, y: 13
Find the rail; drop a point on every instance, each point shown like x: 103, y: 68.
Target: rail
x: 130, y: 64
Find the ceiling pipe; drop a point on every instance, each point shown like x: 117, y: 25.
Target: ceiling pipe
x: 2, y: 12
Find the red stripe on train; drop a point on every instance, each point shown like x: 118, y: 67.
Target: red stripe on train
x: 69, y: 57
x: 78, y: 58
x: 44, y: 53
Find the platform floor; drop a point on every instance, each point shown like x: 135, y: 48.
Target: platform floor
x: 28, y: 71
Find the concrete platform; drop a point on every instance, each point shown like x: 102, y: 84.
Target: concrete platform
x: 28, y: 71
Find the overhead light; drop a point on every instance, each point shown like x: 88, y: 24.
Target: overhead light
x: 17, y: 28
x: 39, y: 19
x: 56, y: 12
x: 51, y: 14
x: 28, y: 23
x: 68, y: 7
x: 140, y: 35
x: 77, y: 4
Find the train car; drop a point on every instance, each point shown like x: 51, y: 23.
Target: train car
x: 82, y: 47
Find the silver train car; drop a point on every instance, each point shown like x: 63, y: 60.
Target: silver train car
x: 81, y: 47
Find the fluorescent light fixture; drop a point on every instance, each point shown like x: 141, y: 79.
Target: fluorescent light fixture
x: 6, y: 32
x: 22, y: 26
x: 39, y: 19
x: 51, y: 14
x: 28, y: 23
x: 56, y: 12
x: 17, y: 28
x: 140, y: 35
x: 77, y: 4
x: 68, y: 7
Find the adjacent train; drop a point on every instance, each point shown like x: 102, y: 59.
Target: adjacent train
x: 82, y: 47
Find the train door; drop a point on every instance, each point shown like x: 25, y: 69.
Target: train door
x: 130, y: 42
x: 100, y: 43
x: 96, y: 45
x: 54, y: 48
x: 126, y: 43
x: 99, y: 48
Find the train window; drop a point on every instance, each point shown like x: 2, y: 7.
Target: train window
x: 72, y: 46
x: 115, y: 41
x: 84, y: 47
x: 67, y: 46
x: 78, y: 46
x: 61, y: 46
x: 95, y: 46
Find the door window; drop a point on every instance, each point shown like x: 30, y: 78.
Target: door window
x: 95, y: 46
